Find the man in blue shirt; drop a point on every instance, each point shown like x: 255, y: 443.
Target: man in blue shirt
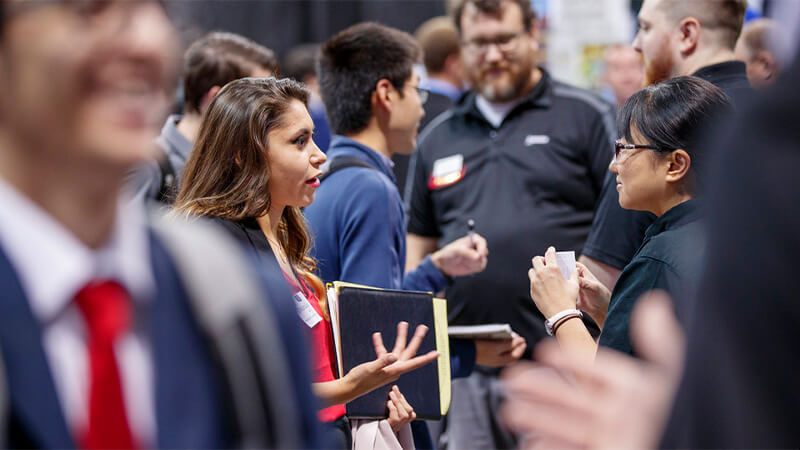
x: 374, y: 108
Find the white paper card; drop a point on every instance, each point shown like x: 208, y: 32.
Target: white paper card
x: 486, y: 331
x: 566, y: 262
x: 306, y: 312
x: 447, y: 166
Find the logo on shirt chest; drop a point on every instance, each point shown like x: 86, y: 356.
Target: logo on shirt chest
x: 536, y: 139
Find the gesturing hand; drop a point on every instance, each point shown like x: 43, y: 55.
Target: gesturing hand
x: 388, y: 367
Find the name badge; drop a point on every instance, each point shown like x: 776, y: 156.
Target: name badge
x: 306, y: 312
x: 447, y: 171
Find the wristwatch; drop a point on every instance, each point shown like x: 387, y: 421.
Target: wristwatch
x: 551, y: 324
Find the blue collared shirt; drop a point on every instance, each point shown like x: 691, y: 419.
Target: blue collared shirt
x: 359, y: 226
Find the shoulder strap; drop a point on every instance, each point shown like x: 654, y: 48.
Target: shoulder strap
x: 166, y: 192
x: 230, y: 307
x: 340, y: 163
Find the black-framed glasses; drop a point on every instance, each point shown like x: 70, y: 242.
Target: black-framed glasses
x: 619, y: 146
x: 422, y: 93
x: 505, y: 43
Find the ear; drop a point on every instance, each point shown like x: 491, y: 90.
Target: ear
x: 534, y: 35
x: 679, y: 162
x: 208, y: 98
x: 383, y: 96
x: 766, y: 60
x: 689, y: 35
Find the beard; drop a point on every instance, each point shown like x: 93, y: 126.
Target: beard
x: 659, y: 68
x: 508, y: 88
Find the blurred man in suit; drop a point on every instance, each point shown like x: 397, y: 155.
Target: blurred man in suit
x: 103, y: 343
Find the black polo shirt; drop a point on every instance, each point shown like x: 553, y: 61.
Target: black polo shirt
x: 616, y: 232
x: 668, y: 259
x: 531, y: 183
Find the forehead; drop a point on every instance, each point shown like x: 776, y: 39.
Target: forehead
x: 295, y: 118
x: 654, y: 10
x: 507, y: 19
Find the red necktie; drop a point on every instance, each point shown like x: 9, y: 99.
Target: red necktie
x: 105, y: 307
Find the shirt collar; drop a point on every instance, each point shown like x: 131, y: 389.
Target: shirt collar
x: 344, y: 146
x: 175, y: 139
x: 52, y: 264
x: 677, y: 216
x: 540, y: 96
x: 722, y: 71
x: 442, y: 87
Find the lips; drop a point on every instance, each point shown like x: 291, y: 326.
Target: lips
x: 313, y: 182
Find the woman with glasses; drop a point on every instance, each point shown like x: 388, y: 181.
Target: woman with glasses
x: 659, y: 164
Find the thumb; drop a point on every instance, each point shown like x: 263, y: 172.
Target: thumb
x: 655, y: 332
x: 382, y: 361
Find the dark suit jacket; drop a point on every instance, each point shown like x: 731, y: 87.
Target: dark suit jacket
x: 190, y: 410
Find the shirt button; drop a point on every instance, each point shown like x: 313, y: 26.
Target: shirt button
x: 493, y: 134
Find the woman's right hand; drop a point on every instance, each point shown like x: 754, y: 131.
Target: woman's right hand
x: 388, y: 366
x: 594, y: 296
x: 400, y: 411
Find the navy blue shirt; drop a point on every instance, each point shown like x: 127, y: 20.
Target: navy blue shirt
x: 668, y: 259
x: 359, y: 226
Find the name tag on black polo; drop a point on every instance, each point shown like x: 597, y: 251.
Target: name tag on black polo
x: 447, y: 171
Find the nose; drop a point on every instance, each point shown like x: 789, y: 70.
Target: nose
x: 637, y: 41
x: 318, y: 158
x: 612, y: 166
x: 493, y: 53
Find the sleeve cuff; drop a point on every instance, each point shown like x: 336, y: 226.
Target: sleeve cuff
x: 437, y: 278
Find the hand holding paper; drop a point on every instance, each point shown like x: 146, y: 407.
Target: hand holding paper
x: 550, y: 290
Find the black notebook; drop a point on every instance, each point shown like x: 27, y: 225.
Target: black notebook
x: 359, y: 311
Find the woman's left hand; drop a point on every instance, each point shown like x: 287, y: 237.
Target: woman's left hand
x: 551, y: 292
x: 400, y: 411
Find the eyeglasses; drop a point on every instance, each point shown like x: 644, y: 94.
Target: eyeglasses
x: 505, y: 43
x: 619, y: 146
x: 422, y: 93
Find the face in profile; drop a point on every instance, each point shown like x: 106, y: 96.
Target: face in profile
x: 639, y: 183
x: 87, y: 80
x: 293, y: 159
x: 498, y: 53
x: 406, y: 114
x: 654, y: 42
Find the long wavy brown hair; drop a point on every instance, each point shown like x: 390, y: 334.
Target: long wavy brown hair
x: 227, y: 174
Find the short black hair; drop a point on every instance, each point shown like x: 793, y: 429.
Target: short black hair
x: 219, y: 58
x: 456, y: 9
x: 350, y: 65
x: 676, y: 114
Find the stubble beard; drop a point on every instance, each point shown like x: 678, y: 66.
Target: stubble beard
x: 506, y: 92
x: 660, y: 68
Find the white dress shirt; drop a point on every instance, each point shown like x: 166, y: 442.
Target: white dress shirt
x: 53, y: 265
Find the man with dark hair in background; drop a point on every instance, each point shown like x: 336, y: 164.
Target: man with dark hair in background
x: 301, y: 64
x: 106, y: 341
x: 208, y: 65
x: 524, y: 156
x: 444, y: 78
x: 676, y: 37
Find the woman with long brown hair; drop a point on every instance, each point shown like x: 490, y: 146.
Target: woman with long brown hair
x: 252, y: 168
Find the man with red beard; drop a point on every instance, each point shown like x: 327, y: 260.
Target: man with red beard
x: 524, y: 157
x: 675, y: 37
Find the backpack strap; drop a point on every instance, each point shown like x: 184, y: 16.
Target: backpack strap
x: 231, y: 309
x: 167, y: 190
x: 340, y: 163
